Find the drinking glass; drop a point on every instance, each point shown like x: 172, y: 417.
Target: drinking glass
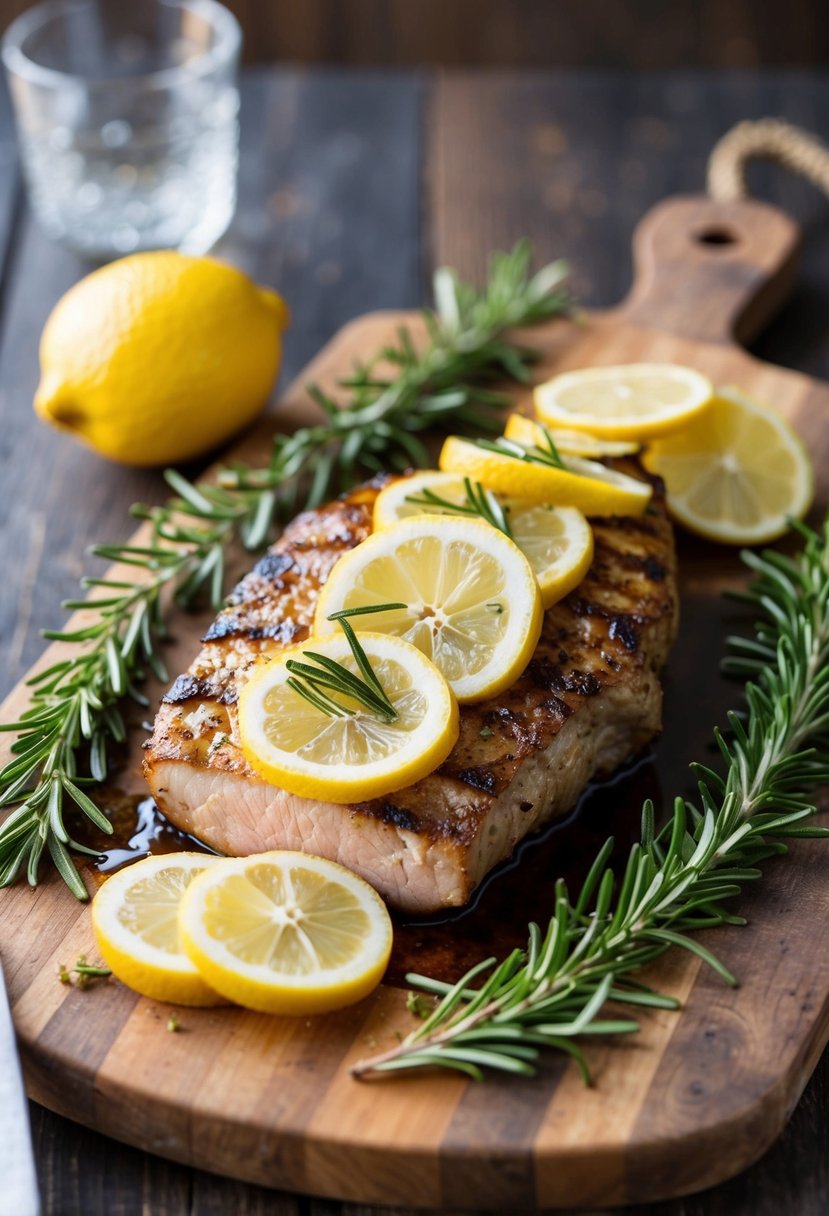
x: 127, y: 117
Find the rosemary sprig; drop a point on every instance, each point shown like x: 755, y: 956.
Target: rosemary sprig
x: 678, y: 878
x: 316, y: 680
x: 477, y: 501
x: 405, y: 391
x: 544, y: 453
x: 74, y: 710
x: 65, y: 736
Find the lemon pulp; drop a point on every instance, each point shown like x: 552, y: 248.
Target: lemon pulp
x: 473, y: 605
x: 297, y: 746
x: 584, y: 484
x: 287, y: 932
x: 571, y: 443
x: 557, y: 541
x: 625, y: 401
x: 135, y: 919
x: 737, y: 473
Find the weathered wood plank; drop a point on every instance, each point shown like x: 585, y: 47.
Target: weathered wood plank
x: 633, y: 34
x: 573, y: 163
x: 10, y: 188
x: 81, y: 1172
x: 329, y: 198
x: 328, y: 214
x: 213, y: 1196
x: 637, y: 35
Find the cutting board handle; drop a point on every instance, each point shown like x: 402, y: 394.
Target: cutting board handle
x: 711, y: 270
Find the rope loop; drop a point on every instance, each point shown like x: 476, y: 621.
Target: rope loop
x: 767, y: 139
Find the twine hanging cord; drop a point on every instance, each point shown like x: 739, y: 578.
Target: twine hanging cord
x: 768, y: 139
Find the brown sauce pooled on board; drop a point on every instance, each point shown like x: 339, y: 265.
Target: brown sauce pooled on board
x: 138, y: 829
x: 446, y: 944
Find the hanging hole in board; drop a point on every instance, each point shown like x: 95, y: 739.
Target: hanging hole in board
x: 717, y: 238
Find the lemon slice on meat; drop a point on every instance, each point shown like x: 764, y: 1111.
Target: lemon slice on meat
x: 628, y: 401
x: 557, y: 541
x: 358, y: 755
x: 737, y: 473
x: 135, y: 919
x: 571, y: 443
x: 585, y: 484
x: 473, y: 605
x: 286, y: 932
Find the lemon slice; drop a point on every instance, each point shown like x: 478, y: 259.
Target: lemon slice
x: 299, y: 747
x: 557, y: 541
x: 473, y: 603
x: 135, y: 919
x: 571, y: 443
x: 585, y: 484
x: 737, y: 473
x: 630, y: 401
x: 286, y: 932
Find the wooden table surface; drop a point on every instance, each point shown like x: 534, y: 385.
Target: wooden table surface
x: 352, y: 188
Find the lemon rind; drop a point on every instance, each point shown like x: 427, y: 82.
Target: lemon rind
x: 542, y: 484
x: 524, y: 430
x: 772, y: 527
x: 157, y: 975
x: 555, y: 588
x: 624, y: 426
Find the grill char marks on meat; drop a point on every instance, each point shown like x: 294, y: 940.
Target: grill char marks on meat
x: 589, y: 699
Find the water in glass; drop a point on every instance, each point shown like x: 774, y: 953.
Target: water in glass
x: 137, y: 146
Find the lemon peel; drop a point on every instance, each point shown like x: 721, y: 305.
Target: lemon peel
x: 625, y: 401
x: 135, y: 920
x: 585, y: 484
x: 159, y: 357
x: 571, y: 443
x: 737, y: 474
x: 297, y: 746
x: 557, y: 541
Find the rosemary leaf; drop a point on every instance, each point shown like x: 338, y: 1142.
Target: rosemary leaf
x: 74, y: 719
x: 310, y: 678
x: 547, y: 455
x: 677, y: 876
x: 477, y: 501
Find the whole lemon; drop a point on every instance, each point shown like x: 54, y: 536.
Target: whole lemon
x: 159, y: 357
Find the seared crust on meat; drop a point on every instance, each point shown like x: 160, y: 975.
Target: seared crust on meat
x: 589, y: 698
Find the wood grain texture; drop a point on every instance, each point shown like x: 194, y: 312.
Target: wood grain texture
x: 637, y: 34
x: 633, y: 34
x: 576, y: 160
x: 318, y: 220
x: 270, y: 1100
x: 574, y: 163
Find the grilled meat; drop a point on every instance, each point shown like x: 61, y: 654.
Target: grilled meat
x: 589, y: 699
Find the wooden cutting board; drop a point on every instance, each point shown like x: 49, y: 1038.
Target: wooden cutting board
x: 691, y: 1100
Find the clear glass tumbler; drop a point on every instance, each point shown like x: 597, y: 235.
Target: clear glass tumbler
x: 127, y: 115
